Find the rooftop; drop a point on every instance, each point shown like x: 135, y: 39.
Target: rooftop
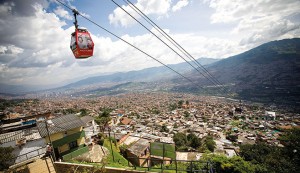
x: 139, y: 147
x: 87, y: 119
x: 60, y: 124
x: 29, y: 134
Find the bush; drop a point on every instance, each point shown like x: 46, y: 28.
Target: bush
x: 5, y: 157
x: 123, y: 149
x: 100, y: 141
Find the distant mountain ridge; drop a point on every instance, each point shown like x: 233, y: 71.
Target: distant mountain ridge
x: 269, y: 72
x: 145, y: 75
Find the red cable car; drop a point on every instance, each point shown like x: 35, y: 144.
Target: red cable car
x: 82, y: 44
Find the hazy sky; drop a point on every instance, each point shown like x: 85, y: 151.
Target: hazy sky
x: 35, y: 34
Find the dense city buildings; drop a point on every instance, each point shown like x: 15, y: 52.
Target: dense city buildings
x: 139, y: 120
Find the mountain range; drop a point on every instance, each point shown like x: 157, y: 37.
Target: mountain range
x: 268, y: 73
x: 145, y: 75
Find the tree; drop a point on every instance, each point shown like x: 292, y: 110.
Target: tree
x: 180, y: 102
x: 69, y: 111
x: 164, y: 128
x: 232, y: 137
x: 186, y: 114
x: 194, y: 141
x: 83, y: 112
x: 2, y: 116
x: 101, y: 137
x: 290, y: 154
x: 155, y: 111
x: 172, y: 106
x: 291, y: 141
x: 102, y: 122
x: 256, y: 153
x: 105, y: 112
x: 180, y: 140
x: 187, y: 102
x: 208, y: 144
x: 192, y: 168
x: 103, y: 118
x: 271, y: 159
x: 211, y: 145
x: 123, y: 149
x: 5, y: 157
x: 234, y: 164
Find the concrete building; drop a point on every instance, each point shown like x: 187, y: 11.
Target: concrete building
x: 65, y: 132
x: 270, y: 115
x: 139, y: 153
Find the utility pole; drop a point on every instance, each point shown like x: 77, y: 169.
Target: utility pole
x: 163, y: 154
x: 111, y: 144
x: 50, y: 140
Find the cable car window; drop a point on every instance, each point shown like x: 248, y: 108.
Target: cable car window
x: 83, y: 42
x: 89, y: 43
x: 73, y: 42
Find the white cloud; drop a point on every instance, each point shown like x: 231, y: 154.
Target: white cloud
x: 258, y: 21
x: 9, y: 53
x: 268, y: 30
x: 180, y: 4
x: 61, y: 12
x: 230, y: 11
x: 10, y: 49
x: 31, y: 43
x: 85, y: 14
x: 159, y: 8
x: 42, y: 54
x: 6, y: 8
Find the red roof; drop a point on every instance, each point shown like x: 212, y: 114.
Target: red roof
x: 126, y: 121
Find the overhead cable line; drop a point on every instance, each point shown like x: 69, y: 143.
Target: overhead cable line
x: 167, y: 36
x: 207, y: 77
x: 167, y: 45
x: 132, y: 45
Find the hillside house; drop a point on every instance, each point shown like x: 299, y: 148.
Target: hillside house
x: 27, y: 144
x: 270, y: 115
x: 90, y: 128
x: 65, y: 132
x: 139, y: 152
x: 125, y: 121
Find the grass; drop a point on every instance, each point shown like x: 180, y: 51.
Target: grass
x: 78, y: 151
x: 119, y: 161
x: 156, y: 149
x: 235, y: 123
x: 155, y: 170
x: 181, y: 167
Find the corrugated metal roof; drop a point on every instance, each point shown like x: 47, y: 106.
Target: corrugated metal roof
x: 60, y: 124
x: 139, y: 147
x: 87, y: 119
x: 29, y: 134
x: 11, y: 136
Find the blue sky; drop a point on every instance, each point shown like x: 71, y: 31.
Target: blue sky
x: 35, y: 34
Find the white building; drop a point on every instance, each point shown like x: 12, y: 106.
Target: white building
x: 270, y: 115
x: 90, y: 128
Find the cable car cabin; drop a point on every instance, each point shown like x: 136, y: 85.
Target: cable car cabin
x: 82, y: 44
